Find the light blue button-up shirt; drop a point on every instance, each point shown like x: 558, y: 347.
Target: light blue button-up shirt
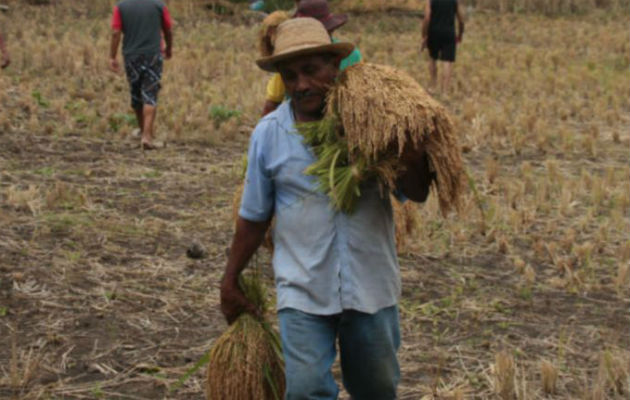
x: 324, y: 261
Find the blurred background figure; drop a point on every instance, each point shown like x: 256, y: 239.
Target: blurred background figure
x: 319, y: 10
x: 439, y: 36
x: 6, y: 59
x: 142, y: 22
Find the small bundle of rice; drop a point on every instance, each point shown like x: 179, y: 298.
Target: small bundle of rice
x: 245, y: 362
x: 373, y: 113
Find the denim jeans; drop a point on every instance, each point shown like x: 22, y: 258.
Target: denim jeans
x: 367, y: 347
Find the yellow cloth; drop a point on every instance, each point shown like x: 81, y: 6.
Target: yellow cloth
x: 275, y: 89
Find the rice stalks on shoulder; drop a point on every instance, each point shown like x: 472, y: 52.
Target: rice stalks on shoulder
x: 374, y: 113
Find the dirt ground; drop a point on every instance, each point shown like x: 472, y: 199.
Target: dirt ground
x: 98, y: 299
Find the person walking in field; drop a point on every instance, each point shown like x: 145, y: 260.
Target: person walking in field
x: 6, y: 59
x: 319, y: 10
x: 337, y: 275
x: 439, y: 36
x: 140, y: 23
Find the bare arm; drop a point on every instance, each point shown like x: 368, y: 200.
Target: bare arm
x: 113, y: 50
x: 249, y: 235
x: 168, y: 38
x: 460, y: 23
x: 426, y: 20
x: 416, y: 181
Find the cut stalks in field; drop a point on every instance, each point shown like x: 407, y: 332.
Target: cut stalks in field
x: 245, y: 362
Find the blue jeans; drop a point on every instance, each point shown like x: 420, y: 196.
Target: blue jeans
x: 367, y: 345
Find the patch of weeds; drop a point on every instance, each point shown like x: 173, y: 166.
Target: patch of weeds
x: 503, y: 324
x: 525, y: 293
x: 429, y: 309
x: 97, y: 391
x: 45, y: 171
x: 39, y: 99
x: 221, y: 114
x: 3, y: 311
x: 65, y: 223
x: 501, y: 308
x: 73, y: 256
x: 152, y: 174
x: 119, y: 120
x: 82, y: 120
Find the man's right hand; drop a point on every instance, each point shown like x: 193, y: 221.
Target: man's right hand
x: 114, y: 65
x: 234, y: 302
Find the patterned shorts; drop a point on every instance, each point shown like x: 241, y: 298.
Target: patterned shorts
x: 144, y: 74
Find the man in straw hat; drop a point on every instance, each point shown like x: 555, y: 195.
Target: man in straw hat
x: 336, y: 274
x: 318, y: 9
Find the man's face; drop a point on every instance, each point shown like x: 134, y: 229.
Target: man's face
x: 307, y: 80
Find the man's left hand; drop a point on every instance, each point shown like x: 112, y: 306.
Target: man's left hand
x: 114, y: 66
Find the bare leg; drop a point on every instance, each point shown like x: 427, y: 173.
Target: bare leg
x: 446, y: 77
x: 139, y: 118
x: 148, y: 117
x: 433, y: 72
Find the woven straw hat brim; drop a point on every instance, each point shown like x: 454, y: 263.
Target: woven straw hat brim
x: 269, y: 63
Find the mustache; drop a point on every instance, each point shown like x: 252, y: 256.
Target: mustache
x: 304, y: 93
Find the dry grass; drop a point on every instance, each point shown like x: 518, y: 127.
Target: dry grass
x: 101, y: 301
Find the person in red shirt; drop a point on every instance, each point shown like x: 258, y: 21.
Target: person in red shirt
x: 140, y: 24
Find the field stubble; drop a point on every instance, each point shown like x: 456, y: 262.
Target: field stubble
x: 525, y: 293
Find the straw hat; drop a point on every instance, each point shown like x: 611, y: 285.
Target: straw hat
x: 301, y: 37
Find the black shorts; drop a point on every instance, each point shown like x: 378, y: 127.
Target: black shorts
x: 441, y: 47
x: 144, y: 74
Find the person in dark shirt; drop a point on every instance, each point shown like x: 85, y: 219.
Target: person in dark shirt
x: 142, y: 22
x: 439, y: 36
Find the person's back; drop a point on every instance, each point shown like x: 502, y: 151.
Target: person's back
x: 443, y: 18
x: 142, y: 22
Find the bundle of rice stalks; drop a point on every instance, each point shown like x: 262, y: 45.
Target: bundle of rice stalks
x: 267, y: 33
x: 245, y: 362
x: 374, y: 112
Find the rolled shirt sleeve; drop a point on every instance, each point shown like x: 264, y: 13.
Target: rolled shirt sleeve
x: 257, y: 203
x: 167, y: 21
x: 116, y: 19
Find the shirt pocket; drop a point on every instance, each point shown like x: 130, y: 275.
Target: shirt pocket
x: 291, y: 184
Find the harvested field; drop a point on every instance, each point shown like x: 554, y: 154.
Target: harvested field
x: 526, y: 293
